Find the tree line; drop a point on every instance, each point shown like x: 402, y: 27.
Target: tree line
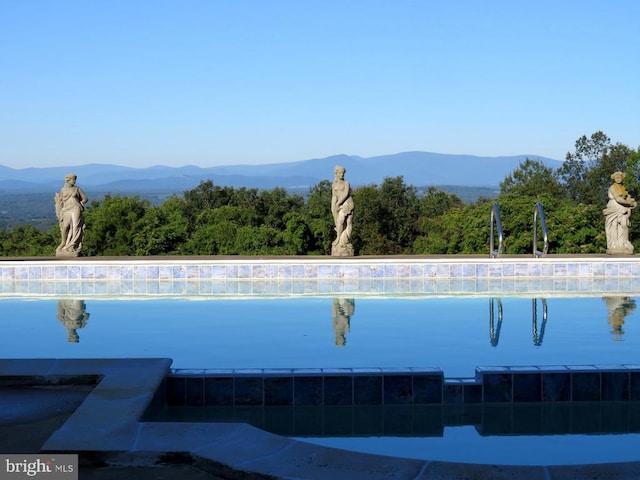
x: 391, y: 218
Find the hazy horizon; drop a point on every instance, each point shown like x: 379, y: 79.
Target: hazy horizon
x: 531, y: 155
x: 214, y: 83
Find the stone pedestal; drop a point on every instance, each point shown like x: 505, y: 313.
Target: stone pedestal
x: 338, y: 250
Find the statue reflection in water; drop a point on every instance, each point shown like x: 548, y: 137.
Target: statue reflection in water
x: 343, y: 309
x: 73, y: 315
x: 619, y: 308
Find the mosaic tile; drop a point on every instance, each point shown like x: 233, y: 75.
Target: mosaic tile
x: 442, y: 270
x: 453, y: 392
x: 546, y: 269
x: 271, y: 272
x: 324, y: 271
x: 21, y: 273
x: 176, y: 391
x: 521, y: 270
x: 297, y: 272
x: 527, y: 387
x: 338, y: 390
x: 559, y: 270
x: 634, y: 386
x: 455, y: 271
x: 397, y: 389
x: 113, y: 272
x: 430, y: 270
x: 367, y: 389
x: 192, y: 272
x: 611, y: 269
x: 404, y: 271
x: 497, y: 387
x: 615, y: 386
x: 349, y: 271
x: 248, y: 391
x: 231, y: 272
x: 35, y: 273
x: 258, y: 272
x: 495, y: 270
x: 218, y: 391
x: 278, y: 390
x: 205, y: 272
x: 472, y: 391
x: 126, y: 273
x: 100, y: 272
x: 508, y: 270
x: 417, y: 270
x: 244, y: 272
x: 482, y: 270
x: 585, y: 386
x: 153, y: 272
x: 59, y: 272
x: 427, y: 388
x: 311, y: 272
x: 194, y: 395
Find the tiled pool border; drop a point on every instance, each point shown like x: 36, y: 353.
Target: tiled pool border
x: 211, y: 276
x: 398, y: 386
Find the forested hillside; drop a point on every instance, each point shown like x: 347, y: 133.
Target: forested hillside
x: 393, y: 217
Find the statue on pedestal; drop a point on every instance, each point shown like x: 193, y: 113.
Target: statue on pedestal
x: 617, y: 216
x: 342, y: 210
x: 69, y: 203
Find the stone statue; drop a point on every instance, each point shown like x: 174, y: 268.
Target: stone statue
x: 342, y: 210
x: 617, y: 216
x: 73, y: 315
x: 343, y: 309
x: 69, y: 204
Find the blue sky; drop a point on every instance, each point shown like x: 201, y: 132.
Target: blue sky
x: 222, y: 82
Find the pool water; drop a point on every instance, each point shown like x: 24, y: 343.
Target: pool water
x: 455, y: 334
x: 560, y: 433
x: 464, y: 444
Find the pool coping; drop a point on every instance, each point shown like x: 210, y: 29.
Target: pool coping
x: 107, y: 428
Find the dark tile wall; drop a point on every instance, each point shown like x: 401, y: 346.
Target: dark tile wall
x: 347, y: 387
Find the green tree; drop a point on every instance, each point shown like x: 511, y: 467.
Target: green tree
x: 437, y: 202
x: 586, y: 173
x: 385, y: 218
x: 532, y: 178
x: 162, y: 230
x: 215, y: 231
x: 28, y: 241
x: 112, y: 224
x: 319, y: 218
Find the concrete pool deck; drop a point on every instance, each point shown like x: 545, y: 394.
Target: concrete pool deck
x: 107, y: 427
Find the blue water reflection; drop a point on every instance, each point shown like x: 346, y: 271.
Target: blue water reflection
x: 455, y: 334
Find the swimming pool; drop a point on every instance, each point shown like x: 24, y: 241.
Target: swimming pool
x: 515, y: 306
x: 453, y: 333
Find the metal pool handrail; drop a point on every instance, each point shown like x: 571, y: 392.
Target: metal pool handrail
x: 538, y: 212
x: 495, y: 222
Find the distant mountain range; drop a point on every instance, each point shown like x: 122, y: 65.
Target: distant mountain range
x: 417, y: 168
